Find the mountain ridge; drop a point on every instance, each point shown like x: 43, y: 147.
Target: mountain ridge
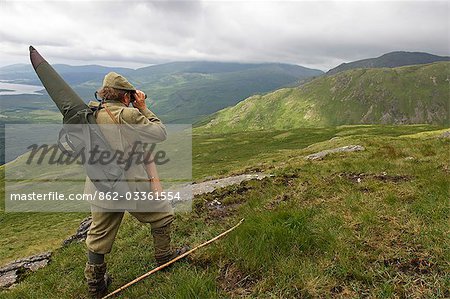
x: 403, y: 95
x: 391, y: 59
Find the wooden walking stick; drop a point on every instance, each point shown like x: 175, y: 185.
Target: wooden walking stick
x: 171, y: 261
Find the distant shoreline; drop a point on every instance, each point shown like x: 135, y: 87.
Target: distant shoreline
x: 9, y: 88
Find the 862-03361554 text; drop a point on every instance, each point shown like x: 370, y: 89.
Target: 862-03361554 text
x: 103, y: 196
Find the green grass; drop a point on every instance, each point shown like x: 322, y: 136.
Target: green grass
x: 312, y: 230
x: 219, y: 154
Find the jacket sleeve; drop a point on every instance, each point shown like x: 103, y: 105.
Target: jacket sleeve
x: 146, y: 124
x: 150, y: 115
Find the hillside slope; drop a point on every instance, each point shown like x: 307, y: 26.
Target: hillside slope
x: 392, y: 59
x: 366, y: 224
x: 405, y: 95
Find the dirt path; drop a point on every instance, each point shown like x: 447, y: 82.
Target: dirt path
x: 210, y: 186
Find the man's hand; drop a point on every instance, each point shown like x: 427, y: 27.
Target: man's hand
x: 139, y: 102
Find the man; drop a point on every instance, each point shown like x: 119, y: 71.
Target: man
x: 117, y: 94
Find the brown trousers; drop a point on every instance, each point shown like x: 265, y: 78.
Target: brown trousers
x: 105, y: 226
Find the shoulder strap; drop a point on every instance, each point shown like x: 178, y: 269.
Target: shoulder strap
x: 110, y: 114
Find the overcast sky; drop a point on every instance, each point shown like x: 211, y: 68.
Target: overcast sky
x: 138, y: 33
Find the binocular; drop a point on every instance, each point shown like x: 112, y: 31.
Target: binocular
x: 133, y: 93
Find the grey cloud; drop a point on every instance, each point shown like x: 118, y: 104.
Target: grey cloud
x: 185, y: 8
x: 315, y: 34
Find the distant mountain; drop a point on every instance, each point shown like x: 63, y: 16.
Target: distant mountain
x: 24, y: 73
x: 187, y: 91
x: 392, y: 59
x: 403, y: 95
x: 179, y: 92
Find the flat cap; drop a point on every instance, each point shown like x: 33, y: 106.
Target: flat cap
x: 117, y: 81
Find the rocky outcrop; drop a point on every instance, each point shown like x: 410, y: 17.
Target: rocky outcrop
x: 322, y: 154
x: 446, y: 134
x: 81, y: 232
x: 11, y: 274
x: 210, y: 186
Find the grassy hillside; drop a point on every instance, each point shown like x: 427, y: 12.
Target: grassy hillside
x: 392, y: 59
x: 180, y: 92
x: 404, y: 95
x: 371, y: 223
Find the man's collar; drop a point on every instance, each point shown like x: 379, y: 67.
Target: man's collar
x: 115, y: 103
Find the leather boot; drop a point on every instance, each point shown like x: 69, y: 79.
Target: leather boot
x: 97, y: 279
x: 163, y: 249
